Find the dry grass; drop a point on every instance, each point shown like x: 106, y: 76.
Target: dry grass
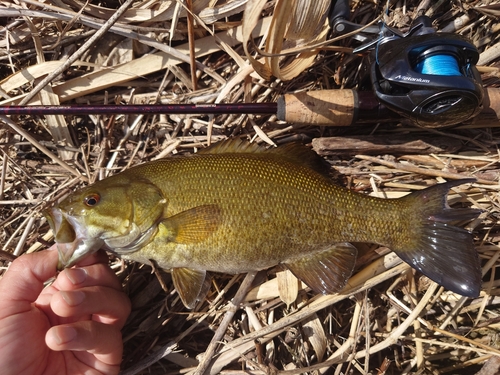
x: 390, y: 320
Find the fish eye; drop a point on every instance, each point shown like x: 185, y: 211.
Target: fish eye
x: 92, y: 199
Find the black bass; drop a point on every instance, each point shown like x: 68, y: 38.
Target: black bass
x: 237, y: 207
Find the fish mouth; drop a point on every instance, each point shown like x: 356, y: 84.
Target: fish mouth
x: 71, y: 237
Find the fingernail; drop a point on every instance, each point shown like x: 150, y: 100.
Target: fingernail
x: 73, y: 298
x: 64, y: 334
x: 76, y: 275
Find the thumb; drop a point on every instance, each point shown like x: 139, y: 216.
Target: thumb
x: 23, y: 281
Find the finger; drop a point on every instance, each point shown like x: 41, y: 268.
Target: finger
x: 92, y: 275
x: 102, y: 340
x: 23, y: 282
x: 109, y: 305
x: 97, y: 257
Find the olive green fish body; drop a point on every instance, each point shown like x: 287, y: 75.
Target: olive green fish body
x: 270, y: 211
x: 237, y: 208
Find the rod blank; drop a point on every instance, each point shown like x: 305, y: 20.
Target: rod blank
x: 169, y: 109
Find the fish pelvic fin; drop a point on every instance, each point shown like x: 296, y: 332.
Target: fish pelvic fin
x: 191, y: 285
x: 326, y: 271
x: 193, y: 225
x: 440, y: 250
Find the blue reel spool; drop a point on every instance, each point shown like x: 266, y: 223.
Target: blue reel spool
x: 439, y: 65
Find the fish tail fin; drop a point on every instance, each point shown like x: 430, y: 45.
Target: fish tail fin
x: 440, y: 250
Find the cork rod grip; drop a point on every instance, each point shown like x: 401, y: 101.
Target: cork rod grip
x: 490, y: 115
x: 322, y: 107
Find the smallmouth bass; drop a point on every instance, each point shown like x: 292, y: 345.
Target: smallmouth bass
x: 237, y: 207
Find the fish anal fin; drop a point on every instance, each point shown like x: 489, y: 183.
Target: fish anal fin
x: 193, y: 225
x: 190, y: 284
x: 326, y: 271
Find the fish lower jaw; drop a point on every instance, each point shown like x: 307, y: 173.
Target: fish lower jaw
x: 71, y: 253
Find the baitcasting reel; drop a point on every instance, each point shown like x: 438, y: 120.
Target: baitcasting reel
x: 425, y: 76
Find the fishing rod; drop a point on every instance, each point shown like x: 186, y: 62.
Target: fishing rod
x: 321, y: 107
x: 426, y: 77
x: 343, y: 107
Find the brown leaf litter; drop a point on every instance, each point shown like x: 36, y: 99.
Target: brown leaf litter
x: 390, y: 320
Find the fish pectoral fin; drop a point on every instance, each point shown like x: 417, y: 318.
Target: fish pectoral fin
x: 190, y: 284
x: 326, y: 271
x: 193, y: 225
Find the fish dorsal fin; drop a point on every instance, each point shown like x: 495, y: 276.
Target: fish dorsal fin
x: 190, y: 284
x: 193, y: 225
x: 299, y: 154
x: 233, y: 146
x: 326, y: 271
x: 293, y: 152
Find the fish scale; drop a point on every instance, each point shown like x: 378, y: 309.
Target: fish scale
x: 272, y: 195
x: 236, y: 208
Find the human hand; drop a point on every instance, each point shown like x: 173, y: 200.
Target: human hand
x: 71, y: 327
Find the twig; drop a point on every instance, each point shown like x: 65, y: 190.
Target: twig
x: 423, y: 171
x: 394, y: 336
x: 119, y: 30
x: 221, y: 330
x: 3, y: 174
x: 488, y: 348
x: 382, y: 269
x: 190, y: 24
x: 75, y: 56
x: 5, y: 255
x: 37, y: 144
x: 138, y: 367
